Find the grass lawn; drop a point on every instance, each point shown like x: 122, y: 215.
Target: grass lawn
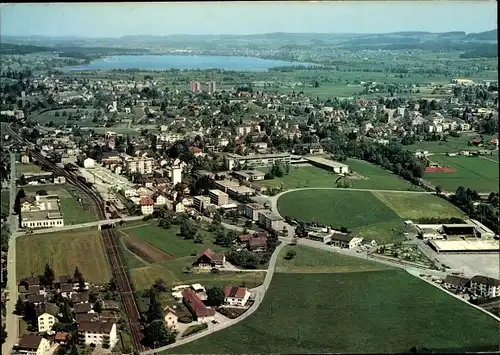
x: 50, y: 115
x: 26, y: 168
x: 383, y: 232
x: 309, y: 176
x: 313, y: 260
x: 63, y: 251
x: 301, y: 313
x: 416, y: 206
x: 336, y: 208
x: 377, y: 178
x: 471, y: 172
x: 4, y: 202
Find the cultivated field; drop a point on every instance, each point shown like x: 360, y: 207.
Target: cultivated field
x: 301, y: 312
x: 336, y: 208
x: 471, y: 172
x: 63, y: 251
x: 145, y: 250
x: 416, y: 206
x: 452, y: 144
x: 312, y: 260
x: 26, y: 168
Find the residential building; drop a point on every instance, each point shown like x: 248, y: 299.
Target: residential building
x: 252, y: 211
x: 147, y: 205
x: 140, y: 165
x: 256, y: 160
x: 209, y: 259
x: 171, y: 319
x: 485, y: 286
x: 456, y: 283
x: 218, y: 197
x: 211, y: 87
x: 201, y: 202
x: 242, y: 130
x: 46, y: 316
x: 178, y: 207
x: 196, y: 306
x: 25, y: 159
x: 176, y: 175
x: 345, y: 241
x: 270, y: 220
x: 236, y: 296
x: 89, y: 163
x: 98, y: 333
x: 257, y: 244
x: 194, y: 86
x: 33, y: 344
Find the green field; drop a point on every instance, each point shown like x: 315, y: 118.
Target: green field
x: 452, y: 144
x: 312, y: 260
x: 373, y: 177
x: 46, y: 117
x: 353, y: 313
x: 171, y: 271
x: 415, y: 206
x: 471, y: 172
x: 63, y: 251
x: 336, y: 208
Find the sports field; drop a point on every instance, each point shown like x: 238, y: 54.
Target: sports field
x: 63, y: 251
x: 452, y: 144
x: 471, y: 172
x: 415, y: 206
x: 312, y: 260
x: 353, y: 313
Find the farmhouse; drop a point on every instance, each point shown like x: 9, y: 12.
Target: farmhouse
x: 171, y: 318
x: 209, y: 259
x: 98, y: 333
x: 485, y: 286
x: 337, y: 168
x: 32, y: 344
x: 236, y: 296
x: 196, y: 306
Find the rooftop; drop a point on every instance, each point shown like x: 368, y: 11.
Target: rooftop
x: 327, y: 162
x: 466, y: 245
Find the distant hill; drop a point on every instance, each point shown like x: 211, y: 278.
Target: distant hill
x: 10, y: 48
x: 483, y: 36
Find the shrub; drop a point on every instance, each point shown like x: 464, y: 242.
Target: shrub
x: 195, y: 329
x: 185, y: 319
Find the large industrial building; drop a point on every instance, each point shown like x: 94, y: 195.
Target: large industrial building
x: 255, y: 160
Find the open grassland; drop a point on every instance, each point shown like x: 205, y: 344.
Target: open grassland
x: 26, y: 168
x: 416, y: 206
x: 312, y: 260
x: 336, y: 208
x: 471, y: 172
x: 307, y: 176
x: 56, y: 116
x: 383, y: 232
x: 374, y: 177
x: 300, y: 312
x: 63, y: 251
x: 452, y: 144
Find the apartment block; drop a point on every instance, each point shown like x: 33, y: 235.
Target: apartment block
x: 218, y: 197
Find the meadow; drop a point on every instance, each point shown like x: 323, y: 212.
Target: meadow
x: 416, y: 206
x: 471, y: 172
x: 452, y: 144
x: 64, y: 251
x: 26, y: 168
x: 353, y: 313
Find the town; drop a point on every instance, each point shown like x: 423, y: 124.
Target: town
x: 146, y: 211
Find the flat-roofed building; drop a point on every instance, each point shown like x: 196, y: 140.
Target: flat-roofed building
x: 249, y: 175
x: 255, y: 160
x: 201, y: 202
x: 252, y: 210
x: 345, y: 241
x: 270, y: 220
x: 465, y: 246
x: 218, y: 197
x: 336, y: 167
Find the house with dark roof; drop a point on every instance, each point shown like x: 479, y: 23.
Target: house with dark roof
x: 456, y: 283
x: 236, y: 296
x: 80, y: 308
x: 79, y: 297
x: 196, y: 306
x: 36, y: 299
x: 32, y: 344
x: 484, y: 286
x: 66, y: 290
x: 209, y: 259
x: 257, y: 244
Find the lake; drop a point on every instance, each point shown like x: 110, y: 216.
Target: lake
x: 165, y: 62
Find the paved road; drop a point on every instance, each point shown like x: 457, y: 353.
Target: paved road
x: 494, y: 161
x: 259, y: 293
x: 82, y: 225
x: 12, y: 323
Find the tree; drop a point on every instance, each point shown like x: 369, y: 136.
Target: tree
x: 159, y: 285
x: 20, y: 307
x: 215, y: 296
x: 290, y: 255
x: 66, y: 314
x: 157, y: 334
x: 155, y: 311
x: 79, y: 276
x: 224, y: 238
x: 3, y: 334
x: 42, y: 192
x: 439, y: 190
x: 48, y: 275
x: 188, y: 229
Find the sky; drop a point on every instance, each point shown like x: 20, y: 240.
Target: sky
x: 100, y: 20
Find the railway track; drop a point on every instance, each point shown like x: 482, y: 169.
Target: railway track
x: 117, y: 268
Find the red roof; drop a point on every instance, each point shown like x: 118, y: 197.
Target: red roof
x: 235, y: 292
x: 258, y: 242
x: 196, y: 304
x: 245, y: 237
x: 476, y: 140
x: 194, y: 150
x: 146, y: 201
x: 61, y: 336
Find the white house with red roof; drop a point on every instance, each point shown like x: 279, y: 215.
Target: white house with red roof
x: 236, y: 296
x: 147, y: 205
x: 197, y: 152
